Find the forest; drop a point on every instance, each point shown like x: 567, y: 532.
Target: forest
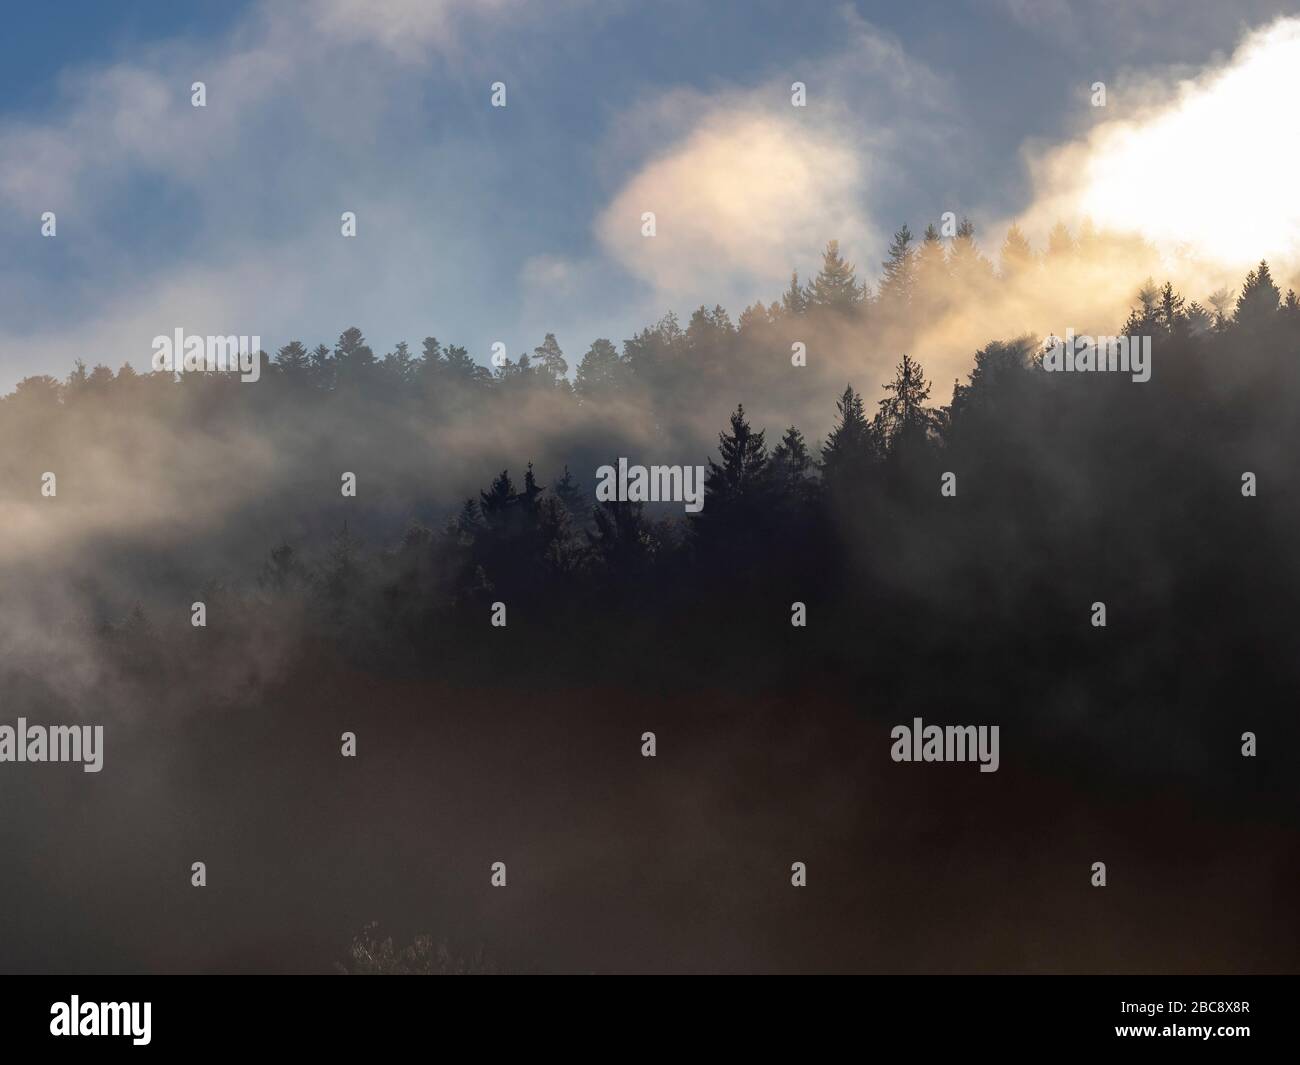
x: 946, y: 546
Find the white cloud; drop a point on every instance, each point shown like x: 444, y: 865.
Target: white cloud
x: 750, y: 187
x: 1205, y: 169
x: 745, y: 194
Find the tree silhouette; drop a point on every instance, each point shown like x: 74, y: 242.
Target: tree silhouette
x: 1259, y: 300
x: 902, y: 420
x: 836, y: 286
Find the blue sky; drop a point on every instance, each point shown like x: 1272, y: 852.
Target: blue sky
x: 478, y: 224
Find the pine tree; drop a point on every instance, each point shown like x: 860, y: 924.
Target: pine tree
x: 931, y: 273
x: 850, y: 449
x: 795, y: 300
x: 1060, y: 244
x: 601, y: 371
x: 1219, y: 300
x: 499, y: 500
x: 468, y: 523
x: 744, y: 463
x: 899, y: 277
x: 1197, y: 320
x: 619, y: 540
x: 903, y: 418
x: 323, y: 368
x: 1017, y: 256
x: 836, y: 286
x: 462, y: 370
x: 100, y: 378
x: 549, y: 361
x: 353, y: 359
x: 966, y: 264
x: 753, y: 317
x: 398, y: 366
x: 1170, y: 311
x: 792, y: 464
x: 293, y: 362
x: 1259, y: 300
x: 1144, y: 319
x: 528, y: 499
x: 567, y: 490
x: 1290, y: 314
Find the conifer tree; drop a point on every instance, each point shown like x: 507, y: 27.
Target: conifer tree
x: 354, y: 361
x: 293, y: 362
x: 850, y: 449
x: 499, y: 500
x: 1144, y: 319
x: 931, y: 273
x: 548, y: 360
x: 743, y: 469
x: 791, y: 465
x: 1017, y: 256
x: 528, y: 498
x: 469, y: 522
x: 1060, y: 244
x: 903, y: 418
x: 398, y: 366
x: 1259, y: 300
x: 836, y: 285
x: 1290, y: 313
x: 601, y: 371
x: 899, y: 278
x: 966, y: 264
x: 322, y: 368
x: 1172, y: 319
x: 567, y: 490
x: 795, y: 300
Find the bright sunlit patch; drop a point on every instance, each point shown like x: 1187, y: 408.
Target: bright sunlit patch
x: 1216, y: 172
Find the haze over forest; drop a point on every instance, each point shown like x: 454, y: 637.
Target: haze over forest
x: 890, y: 458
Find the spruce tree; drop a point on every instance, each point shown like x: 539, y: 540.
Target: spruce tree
x: 601, y: 372
x: 1170, y: 311
x: 791, y: 465
x: 293, y: 362
x: 398, y: 366
x: 795, y: 300
x: 850, y: 449
x: 902, y: 418
x: 499, y: 500
x: 931, y: 273
x: 899, y: 278
x: 1017, y: 256
x: 742, y: 472
x: 354, y: 361
x: 1259, y: 300
x: 1060, y: 244
x: 836, y: 286
x: 966, y: 264
x: 567, y: 490
x: 323, y: 368
x: 1144, y: 319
